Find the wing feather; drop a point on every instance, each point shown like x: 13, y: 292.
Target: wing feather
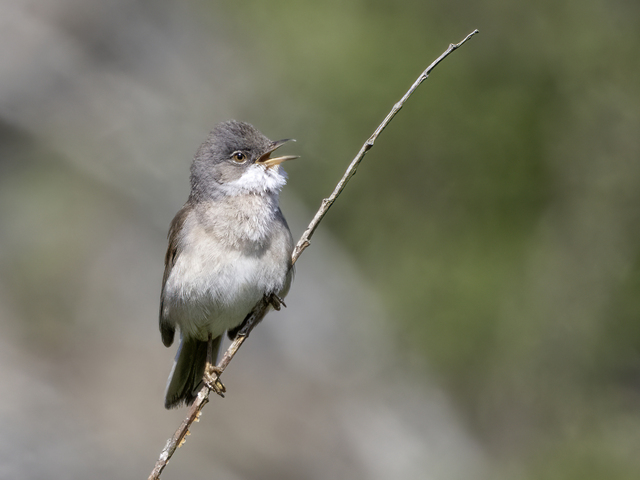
x: 167, y: 326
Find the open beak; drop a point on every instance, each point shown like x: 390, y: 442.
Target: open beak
x: 266, y: 160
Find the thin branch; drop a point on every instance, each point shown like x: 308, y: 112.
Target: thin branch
x: 304, y: 241
x: 179, y: 437
x: 260, y: 310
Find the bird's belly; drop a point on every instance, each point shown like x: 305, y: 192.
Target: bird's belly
x: 211, y: 293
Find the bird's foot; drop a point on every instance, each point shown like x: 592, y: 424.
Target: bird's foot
x: 275, y: 301
x: 212, y: 379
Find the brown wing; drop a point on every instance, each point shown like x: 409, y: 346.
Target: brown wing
x: 167, y: 327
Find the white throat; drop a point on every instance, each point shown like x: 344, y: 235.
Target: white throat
x: 257, y: 179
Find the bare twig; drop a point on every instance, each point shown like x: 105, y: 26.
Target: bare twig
x: 260, y: 310
x: 178, y: 438
x: 351, y: 170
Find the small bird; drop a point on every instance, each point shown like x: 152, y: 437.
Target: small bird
x: 229, y: 246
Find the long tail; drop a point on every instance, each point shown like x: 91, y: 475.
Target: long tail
x: 185, y: 379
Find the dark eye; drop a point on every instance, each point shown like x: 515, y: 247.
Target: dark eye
x: 239, y: 157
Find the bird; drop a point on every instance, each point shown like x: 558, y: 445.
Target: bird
x: 229, y: 246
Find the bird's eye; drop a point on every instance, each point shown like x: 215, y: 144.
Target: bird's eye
x: 238, y: 157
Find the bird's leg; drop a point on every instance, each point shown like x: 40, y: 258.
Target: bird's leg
x: 275, y: 301
x: 271, y: 299
x: 212, y: 372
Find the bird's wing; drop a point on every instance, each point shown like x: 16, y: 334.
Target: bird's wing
x: 167, y: 327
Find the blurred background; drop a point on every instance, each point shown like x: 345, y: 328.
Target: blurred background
x: 469, y: 307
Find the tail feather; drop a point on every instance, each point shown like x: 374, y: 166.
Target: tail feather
x: 185, y: 379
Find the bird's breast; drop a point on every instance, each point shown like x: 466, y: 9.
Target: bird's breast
x: 221, y: 272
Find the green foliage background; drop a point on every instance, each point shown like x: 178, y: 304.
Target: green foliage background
x: 497, y: 215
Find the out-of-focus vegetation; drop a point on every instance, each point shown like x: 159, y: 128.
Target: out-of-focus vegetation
x: 497, y: 218
x: 498, y: 214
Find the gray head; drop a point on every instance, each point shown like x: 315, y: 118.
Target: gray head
x: 234, y: 160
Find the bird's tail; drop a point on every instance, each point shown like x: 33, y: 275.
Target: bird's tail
x: 185, y: 379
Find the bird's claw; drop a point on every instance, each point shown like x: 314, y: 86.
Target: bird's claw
x: 212, y: 379
x: 275, y: 301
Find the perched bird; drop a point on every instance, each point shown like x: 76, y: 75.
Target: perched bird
x: 229, y: 246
